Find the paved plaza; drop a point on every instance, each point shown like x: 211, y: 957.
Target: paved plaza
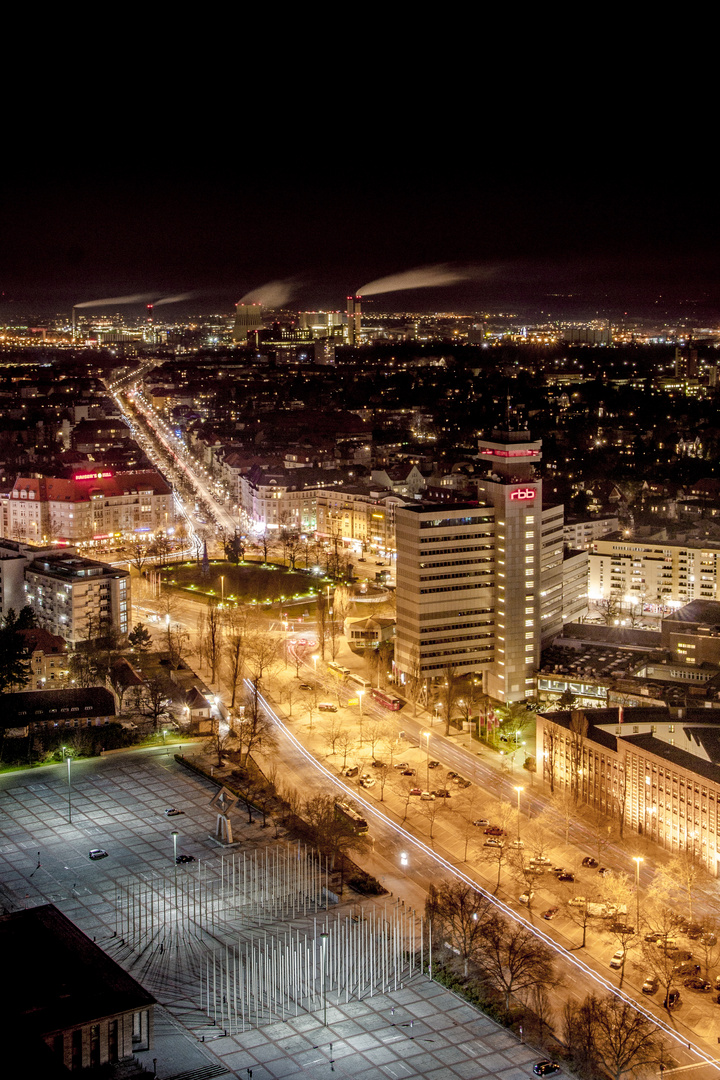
x: 119, y: 803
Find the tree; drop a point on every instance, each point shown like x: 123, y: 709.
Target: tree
x: 458, y: 915
x: 612, y: 1033
x: 140, y: 637
x: 552, y: 740
x: 683, y: 874
x: 415, y: 686
x: 211, y: 638
x: 513, y: 960
x: 235, y: 549
x: 234, y: 649
x: 334, y: 835
x: 448, y: 693
x: 140, y: 554
x: 578, y: 731
x: 14, y: 663
x: 257, y: 730
x: 157, y: 698
x: 333, y: 731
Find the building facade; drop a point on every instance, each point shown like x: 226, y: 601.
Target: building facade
x: 481, y: 586
x: 653, y: 572
x: 77, y: 598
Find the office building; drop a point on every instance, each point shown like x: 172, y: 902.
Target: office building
x: 481, y: 586
x: 653, y: 572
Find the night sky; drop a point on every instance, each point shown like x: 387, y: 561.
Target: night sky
x: 528, y: 236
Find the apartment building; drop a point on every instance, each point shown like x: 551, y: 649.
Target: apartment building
x: 77, y: 598
x: 91, y: 507
x: 653, y: 572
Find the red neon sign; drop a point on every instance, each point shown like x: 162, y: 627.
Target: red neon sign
x: 511, y: 453
x: 523, y: 493
x: 92, y: 475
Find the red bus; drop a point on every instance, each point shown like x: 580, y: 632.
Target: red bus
x: 389, y: 701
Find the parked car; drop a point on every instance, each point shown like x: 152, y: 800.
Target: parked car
x: 682, y: 954
x: 604, y: 871
x: 98, y: 853
x: 433, y: 765
x: 409, y: 772
x: 185, y: 859
x: 493, y: 842
x: 518, y: 843
x: 618, y: 959
x: 621, y: 928
x: 650, y: 985
x: 305, y: 686
x: 416, y: 791
x: 452, y: 775
x: 402, y: 765
x: 698, y: 984
x: 462, y: 782
x: 566, y: 877
x: 352, y: 771
x: 481, y: 822
x: 327, y: 706
x: 550, y: 913
x: 653, y: 937
x: 589, y: 861
x: 367, y: 782
x: 427, y: 796
x: 379, y: 765
x: 694, y: 931
x: 546, y: 1068
x: 526, y: 897
x: 441, y: 793
x: 672, y: 1000
x: 494, y: 830
x: 709, y: 939
x: 172, y: 812
x: 686, y: 968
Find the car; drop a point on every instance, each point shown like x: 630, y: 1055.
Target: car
x: 694, y: 931
x: 682, y: 955
x: 416, y: 791
x: 481, y: 822
x: 589, y: 861
x: 559, y: 870
x: 352, y: 771
x: 604, y: 871
x: 379, y: 765
x: 441, y: 793
x: 526, y: 897
x: 305, y: 686
x: 546, y: 1068
x: 696, y: 983
x: 618, y: 959
x: 408, y: 772
x: 550, y: 913
x: 621, y: 928
x: 494, y: 830
x: 650, y: 985
x: 462, y: 782
x: 327, y: 706
x: 301, y: 641
x: 709, y: 939
x: 653, y: 937
x: 172, y: 812
x: 566, y: 876
x: 402, y: 765
x: 518, y: 844
x: 367, y: 782
x: 577, y: 901
x: 664, y: 941
x: 672, y: 999
x: 493, y: 842
x: 98, y: 853
x: 452, y: 775
x: 536, y: 867
x: 427, y: 796
x: 433, y: 765
x: 687, y: 968
x: 185, y: 859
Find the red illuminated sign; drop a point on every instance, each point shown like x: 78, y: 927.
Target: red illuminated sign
x: 511, y: 453
x: 523, y: 493
x: 92, y: 475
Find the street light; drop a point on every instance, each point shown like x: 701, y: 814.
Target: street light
x: 426, y: 735
x: 404, y: 861
x: 637, y: 859
x: 315, y: 660
x: 518, y: 789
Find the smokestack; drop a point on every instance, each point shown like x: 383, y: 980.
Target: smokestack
x: 248, y: 320
x: 354, y: 313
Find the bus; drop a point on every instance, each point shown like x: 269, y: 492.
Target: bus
x: 364, y: 684
x: 389, y: 701
x: 338, y: 670
x: 357, y: 821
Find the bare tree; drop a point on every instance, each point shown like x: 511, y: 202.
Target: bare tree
x: 415, y: 687
x: 346, y: 741
x: 513, y: 960
x: 611, y: 1033
x: 334, y: 834
x: 448, y: 693
x: 578, y: 731
x: 458, y: 915
x: 257, y: 730
x: 234, y: 650
x: 333, y: 730
x: 210, y: 630
x: 552, y: 741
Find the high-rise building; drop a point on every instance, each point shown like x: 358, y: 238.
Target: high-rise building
x: 248, y: 320
x: 482, y: 586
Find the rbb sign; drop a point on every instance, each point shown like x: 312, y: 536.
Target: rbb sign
x: 523, y: 493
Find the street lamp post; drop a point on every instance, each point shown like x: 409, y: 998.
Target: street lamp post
x: 404, y: 861
x: 518, y: 789
x: 637, y: 859
x: 174, y: 839
x: 285, y: 625
x: 426, y: 735
x: 222, y: 589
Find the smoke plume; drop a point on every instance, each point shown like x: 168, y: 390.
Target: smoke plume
x: 423, y: 277
x: 272, y: 295
x: 112, y: 301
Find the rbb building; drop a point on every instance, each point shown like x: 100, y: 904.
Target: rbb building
x: 481, y: 586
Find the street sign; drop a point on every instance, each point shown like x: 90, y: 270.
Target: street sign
x: 353, y: 701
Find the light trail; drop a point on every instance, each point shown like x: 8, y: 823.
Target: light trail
x: 410, y: 839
